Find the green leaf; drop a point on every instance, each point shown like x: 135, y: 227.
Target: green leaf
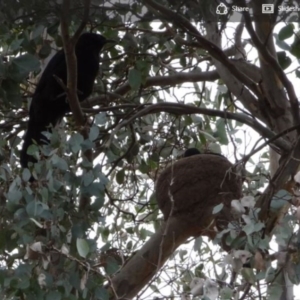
x: 129, y: 40
x: 226, y: 293
x: 182, y: 253
x: 14, y: 196
x: 143, y: 167
x: 24, y: 283
x: 253, y: 227
x: 217, y: 208
x: 101, y: 293
x: 24, y: 64
x: 88, y: 178
x: 33, y: 150
x: 15, y: 45
x: 36, y: 208
x: 221, y: 131
x: 54, y: 295
x: 183, y: 61
x: 135, y: 149
x: 295, y: 49
x: 248, y: 275
x: 75, y: 142
x: 26, y: 174
x: 59, y: 162
x: 75, y: 280
x: 97, y: 204
x: 294, y: 273
x: 270, y: 274
x: 111, y: 266
x: 83, y: 247
x: 281, y: 44
x: 283, y: 59
x: 37, y: 31
x: 280, y: 199
x: 45, y: 194
x: 120, y: 176
x: 215, y: 148
x: 94, y: 189
x: 101, y: 118
x: 274, y: 292
x: 258, y: 226
x: 94, y: 132
x: 135, y: 79
x: 286, y: 32
x: 197, y: 120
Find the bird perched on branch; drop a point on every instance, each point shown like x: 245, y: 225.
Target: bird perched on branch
x: 49, y: 103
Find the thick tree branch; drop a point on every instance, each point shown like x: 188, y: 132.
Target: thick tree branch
x: 233, y: 83
x: 144, y: 264
x: 287, y: 168
x: 273, y: 63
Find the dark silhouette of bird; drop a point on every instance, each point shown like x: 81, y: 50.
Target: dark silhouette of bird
x: 49, y: 103
x: 191, y: 152
x: 194, y: 151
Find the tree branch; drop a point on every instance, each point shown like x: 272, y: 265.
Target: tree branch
x: 171, y: 80
x: 143, y: 265
x: 71, y: 61
x: 179, y: 78
x: 203, y: 43
x: 273, y: 63
x: 69, y: 49
x: 180, y: 109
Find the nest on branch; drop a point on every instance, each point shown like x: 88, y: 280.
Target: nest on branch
x: 190, y: 189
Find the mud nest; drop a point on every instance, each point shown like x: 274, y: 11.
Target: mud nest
x: 193, y: 186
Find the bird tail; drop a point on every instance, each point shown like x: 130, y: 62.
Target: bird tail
x: 33, y: 133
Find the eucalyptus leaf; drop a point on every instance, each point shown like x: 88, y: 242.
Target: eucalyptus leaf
x: 94, y: 132
x: 101, y: 293
x: 217, y: 208
x: 286, y: 32
x: 135, y: 79
x: 14, y: 196
x: 83, y: 247
x: 53, y: 295
x: 24, y: 64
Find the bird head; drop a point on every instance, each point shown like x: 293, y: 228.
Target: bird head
x: 95, y: 40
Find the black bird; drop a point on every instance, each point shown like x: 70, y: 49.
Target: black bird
x: 194, y: 151
x: 191, y: 152
x: 49, y: 103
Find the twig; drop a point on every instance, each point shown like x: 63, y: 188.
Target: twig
x: 180, y: 109
x: 284, y: 132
